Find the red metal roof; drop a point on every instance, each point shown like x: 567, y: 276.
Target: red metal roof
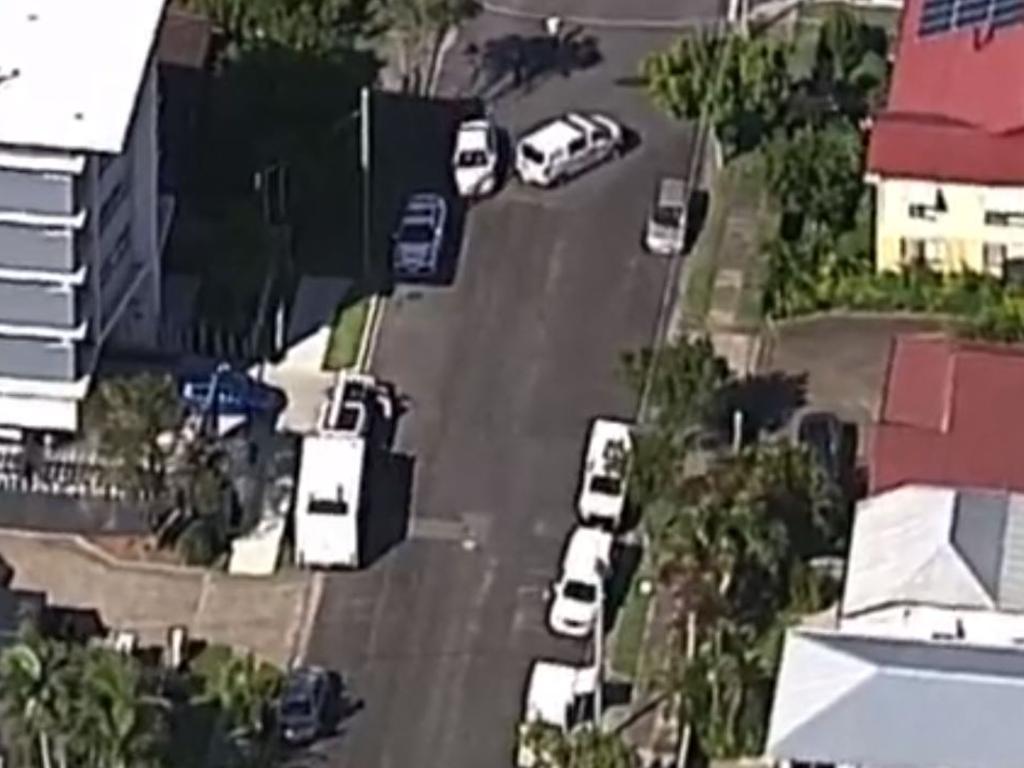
x: 952, y: 413
x: 955, y: 108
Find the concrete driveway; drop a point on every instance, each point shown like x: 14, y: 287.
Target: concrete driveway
x: 842, y: 360
x: 501, y: 373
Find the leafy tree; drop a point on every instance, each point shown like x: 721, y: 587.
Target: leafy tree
x: 850, y: 62
x: 742, y: 84
x: 582, y: 748
x: 418, y: 28
x: 815, y: 173
x: 130, y: 417
x: 684, y: 381
x: 314, y: 26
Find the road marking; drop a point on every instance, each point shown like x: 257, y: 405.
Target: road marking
x: 303, y: 631
x: 439, y: 529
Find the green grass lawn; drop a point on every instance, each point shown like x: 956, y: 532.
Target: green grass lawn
x: 629, y: 634
x: 346, y: 334
x: 700, y: 262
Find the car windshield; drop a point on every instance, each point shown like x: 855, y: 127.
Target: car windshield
x: 471, y: 158
x: 580, y: 591
x: 296, y: 708
x: 606, y: 484
x: 531, y: 154
x: 349, y: 416
x: 354, y: 390
x: 667, y: 216
x: 416, y: 233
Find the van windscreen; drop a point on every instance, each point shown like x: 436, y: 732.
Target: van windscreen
x: 531, y: 154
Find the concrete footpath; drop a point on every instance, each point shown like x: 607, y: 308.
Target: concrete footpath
x: 263, y: 615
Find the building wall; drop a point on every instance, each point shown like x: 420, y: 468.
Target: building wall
x: 42, y: 315
x: 950, y: 227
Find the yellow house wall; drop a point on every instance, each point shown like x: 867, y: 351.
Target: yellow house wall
x: 960, y: 231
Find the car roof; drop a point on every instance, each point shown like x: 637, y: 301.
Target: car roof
x: 671, y: 192
x: 587, y: 546
x: 604, y: 431
x: 553, y: 134
x: 472, y: 135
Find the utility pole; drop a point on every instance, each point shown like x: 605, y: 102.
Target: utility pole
x: 365, y: 157
x: 599, y: 655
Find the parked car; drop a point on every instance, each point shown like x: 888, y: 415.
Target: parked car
x: 475, y: 160
x: 419, y: 237
x: 575, y: 602
x: 602, y: 496
x: 302, y: 706
x: 566, y: 146
x: 665, y: 232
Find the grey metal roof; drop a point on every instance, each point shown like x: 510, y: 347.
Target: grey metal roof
x: 890, y: 703
x: 924, y: 544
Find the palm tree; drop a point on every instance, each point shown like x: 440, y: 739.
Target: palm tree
x: 240, y: 686
x: 119, y: 725
x: 36, y: 690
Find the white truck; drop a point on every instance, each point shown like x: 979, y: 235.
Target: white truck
x: 330, y: 498
x: 558, y: 696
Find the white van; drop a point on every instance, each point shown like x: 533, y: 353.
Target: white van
x: 566, y: 146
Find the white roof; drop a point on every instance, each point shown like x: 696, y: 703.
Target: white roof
x: 556, y: 133
x: 844, y: 699
x: 551, y: 688
x: 331, y: 469
x: 586, y: 548
x: 472, y: 135
x: 603, y: 432
x: 70, y: 70
x: 933, y: 545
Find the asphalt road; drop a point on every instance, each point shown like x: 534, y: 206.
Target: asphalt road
x: 501, y: 371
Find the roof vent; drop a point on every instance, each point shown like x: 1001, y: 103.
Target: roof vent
x: 8, y: 75
x: 33, y: 17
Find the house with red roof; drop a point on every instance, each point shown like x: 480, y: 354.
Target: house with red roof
x: 946, y: 155
x: 952, y: 413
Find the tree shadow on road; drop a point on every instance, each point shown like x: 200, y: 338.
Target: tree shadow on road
x: 516, y: 62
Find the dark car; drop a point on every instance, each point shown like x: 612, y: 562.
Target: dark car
x: 824, y: 435
x: 302, y: 706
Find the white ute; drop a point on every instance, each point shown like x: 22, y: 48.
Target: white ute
x: 475, y: 159
x: 558, y: 696
x: 576, y: 596
x: 602, y: 497
x: 566, y: 146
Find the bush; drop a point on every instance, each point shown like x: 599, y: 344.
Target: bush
x: 202, y: 541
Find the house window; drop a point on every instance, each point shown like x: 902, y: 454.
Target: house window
x: 994, y: 259
x: 918, y: 211
x: 1004, y: 218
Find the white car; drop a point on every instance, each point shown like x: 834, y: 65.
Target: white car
x: 419, y: 237
x: 475, y: 160
x: 575, y: 599
x: 566, y: 146
x: 602, y: 495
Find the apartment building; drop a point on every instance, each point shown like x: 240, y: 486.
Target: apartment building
x: 946, y: 156
x: 81, y: 220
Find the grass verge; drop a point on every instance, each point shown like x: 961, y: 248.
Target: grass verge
x: 345, y: 335
x: 701, y: 261
x: 629, y: 635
